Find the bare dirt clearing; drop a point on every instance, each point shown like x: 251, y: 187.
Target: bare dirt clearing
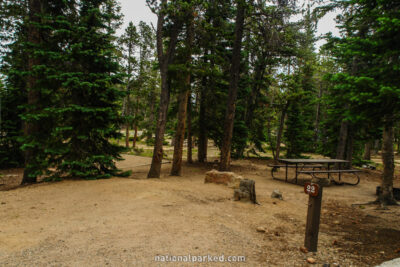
x: 128, y: 221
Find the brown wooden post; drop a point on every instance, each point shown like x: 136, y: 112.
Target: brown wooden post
x: 313, y: 216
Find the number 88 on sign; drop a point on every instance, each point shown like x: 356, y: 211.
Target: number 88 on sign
x: 311, y: 189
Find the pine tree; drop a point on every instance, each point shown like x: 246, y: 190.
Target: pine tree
x: 13, y: 83
x: 233, y: 87
x: 89, y: 109
x: 369, y: 51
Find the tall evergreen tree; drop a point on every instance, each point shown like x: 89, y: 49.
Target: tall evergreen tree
x: 68, y: 103
x: 371, y: 38
x: 89, y: 95
x: 233, y: 87
x: 184, y: 95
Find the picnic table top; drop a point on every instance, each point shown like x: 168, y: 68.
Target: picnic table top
x: 312, y: 160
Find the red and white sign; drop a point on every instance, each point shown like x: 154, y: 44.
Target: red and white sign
x: 311, y: 189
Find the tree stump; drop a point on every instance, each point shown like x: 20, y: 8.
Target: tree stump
x: 247, y: 190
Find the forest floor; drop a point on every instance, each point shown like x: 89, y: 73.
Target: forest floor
x: 129, y: 221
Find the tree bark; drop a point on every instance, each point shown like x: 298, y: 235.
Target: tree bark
x: 155, y: 168
x: 280, y: 131
x: 317, y: 119
x: 233, y: 88
x: 398, y: 147
x: 151, y: 116
x: 367, y: 151
x: 127, y: 134
x: 202, y: 144
x: 349, y: 147
x: 377, y: 146
x: 164, y: 60
x: 183, y: 104
x: 386, y: 196
x: 135, y: 136
x: 31, y: 128
x: 189, y: 131
x: 341, y: 146
x: 180, y: 134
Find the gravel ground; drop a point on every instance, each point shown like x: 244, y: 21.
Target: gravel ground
x: 130, y: 221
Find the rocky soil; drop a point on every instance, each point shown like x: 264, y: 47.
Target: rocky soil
x: 129, y: 221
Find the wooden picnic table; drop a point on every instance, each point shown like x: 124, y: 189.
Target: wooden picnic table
x: 323, y: 165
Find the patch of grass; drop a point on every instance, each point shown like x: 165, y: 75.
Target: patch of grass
x: 359, y: 162
x: 142, y: 152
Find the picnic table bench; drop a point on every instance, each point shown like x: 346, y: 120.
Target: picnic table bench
x: 313, y: 167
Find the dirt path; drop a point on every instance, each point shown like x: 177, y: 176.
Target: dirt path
x: 128, y: 221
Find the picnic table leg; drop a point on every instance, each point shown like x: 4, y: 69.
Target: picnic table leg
x: 340, y: 174
x: 295, y: 177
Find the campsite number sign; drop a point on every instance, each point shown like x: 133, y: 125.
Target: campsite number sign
x: 311, y: 189
x: 314, y: 191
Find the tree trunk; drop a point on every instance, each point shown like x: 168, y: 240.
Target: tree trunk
x: 189, y: 131
x: 317, y: 119
x: 135, y: 137
x: 377, y: 146
x: 31, y: 128
x: 164, y: 60
x: 183, y: 104
x: 136, y: 122
x: 180, y: 133
x: 155, y: 168
x: 280, y: 131
x: 127, y: 135
x: 386, y: 195
x: 367, y: 151
x: 233, y: 88
x: 349, y: 147
x: 272, y: 145
x: 151, y: 116
x: 202, y: 144
x: 341, y: 146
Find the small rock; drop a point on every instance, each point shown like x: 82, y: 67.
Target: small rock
x: 304, y: 249
x: 260, y: 229
x: 276, y: 194
x: 336, y: 222
x: 335, y: 242
x: 311, y: 260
